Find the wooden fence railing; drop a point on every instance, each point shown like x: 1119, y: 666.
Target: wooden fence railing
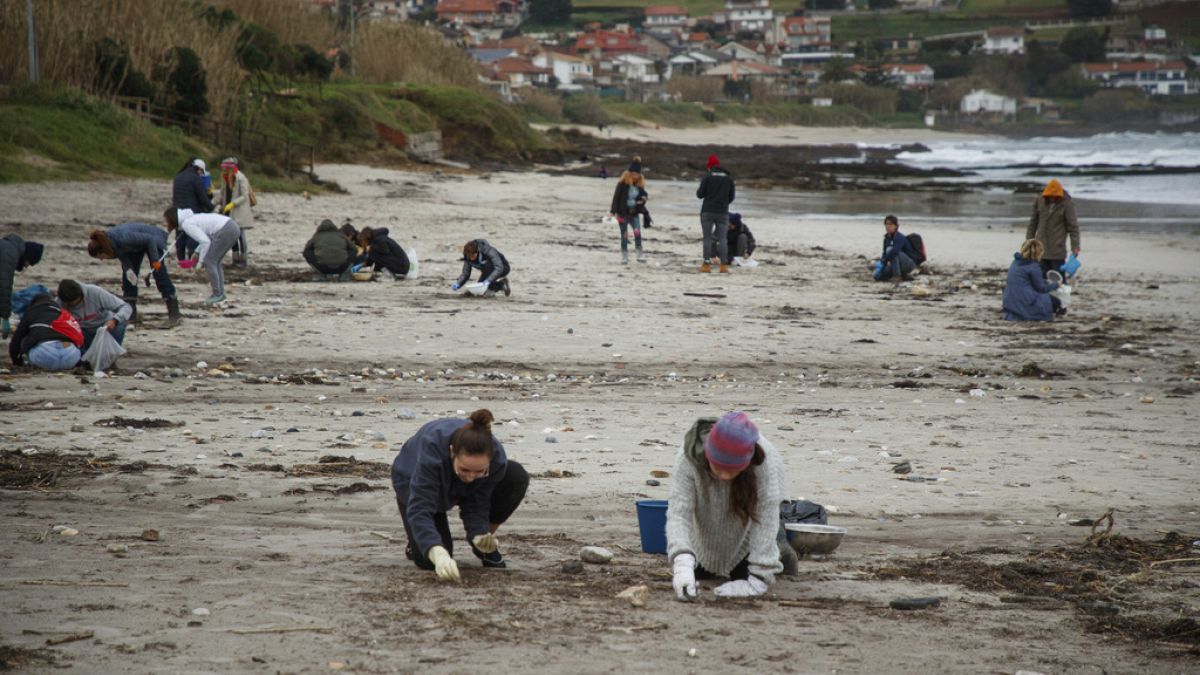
x: 245, y: 142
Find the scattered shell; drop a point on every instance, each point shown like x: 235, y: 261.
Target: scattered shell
x: 636, y: 595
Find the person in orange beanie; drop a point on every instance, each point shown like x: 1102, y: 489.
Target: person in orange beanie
x: 1052, y: 221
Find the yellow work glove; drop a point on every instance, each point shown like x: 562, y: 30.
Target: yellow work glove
x: 486, y: 543
x: 444, y: 565
x: 228, y: 208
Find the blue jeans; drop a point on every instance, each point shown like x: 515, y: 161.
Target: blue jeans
x: 133, y: 261
x: 900, y: 266
x: 633, y: 221
x: 53, y: 355
x: 89, y: 334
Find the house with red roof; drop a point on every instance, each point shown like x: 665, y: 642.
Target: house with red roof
x: 807, y: 34
x: 521, y: 72
x: 665, y: 18
x: 605, y: 44
x: 492, y: 13
x: 1156, y: 78
x: 1004, y: 40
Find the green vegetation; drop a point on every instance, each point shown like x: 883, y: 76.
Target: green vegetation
x: 859, y: 27
x: 693, y: 114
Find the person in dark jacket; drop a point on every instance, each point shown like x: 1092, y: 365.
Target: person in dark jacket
x: 491, y: 263
x: 1026, y: 292
x: 739, y: 239
x: 629, y: 199
x: 717, y: 191
x: 1052, y: 221
x: 329, y: 251
x: 40, y: 343
x: 382, y: 252
x: 898, y: 254
x: 15, y: 255
x: 130, y: 243
x: 453, y: 462
x: 189, y: 191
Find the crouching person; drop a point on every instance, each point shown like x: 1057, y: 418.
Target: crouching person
x: 453, y: 462
x: 723, y: 515
x: 47, y: 336
x: 491, y: 263
x: 329, y: 251
x: 95, y: 309
x: 1026, y: 293
x: 899, y: 257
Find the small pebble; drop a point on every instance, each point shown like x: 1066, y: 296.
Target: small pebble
x: 200, y: 611
x: 150, y: 535
x: 595, y: 555
x: 551, y: 439
x: 653, y: 483
x: 572, y: 567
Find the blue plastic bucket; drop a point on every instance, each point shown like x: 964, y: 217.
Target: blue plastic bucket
x: 652, y: 524
x: 1071, y: 266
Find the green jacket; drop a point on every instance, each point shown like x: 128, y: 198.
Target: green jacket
x: 330, y: 247
x: 1050, y: 224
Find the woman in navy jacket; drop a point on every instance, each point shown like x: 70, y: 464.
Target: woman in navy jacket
x: 454, y: 462
x: 1026, y: 293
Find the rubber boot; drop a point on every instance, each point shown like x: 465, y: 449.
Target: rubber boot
x: 173, y: 315
x: 132, y: 302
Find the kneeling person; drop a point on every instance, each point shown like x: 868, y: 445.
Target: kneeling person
x: 453, y: 462
x: 95, y: 309
x: 723, y: 515
x: 46, y: 337
x: 493, y: 267
x: 329, y: 251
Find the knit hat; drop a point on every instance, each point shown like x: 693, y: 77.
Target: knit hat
x: 69, y: 291
x: 635, y: 166
x: 33, y: 253
x: 735, y: 218
x: 712, y: 161
x: 730, y: 444
x: 1053, y: 189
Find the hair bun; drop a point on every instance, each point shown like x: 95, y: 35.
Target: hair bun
x: 482, y: 418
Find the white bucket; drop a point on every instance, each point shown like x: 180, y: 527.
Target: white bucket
x: 412, y: 264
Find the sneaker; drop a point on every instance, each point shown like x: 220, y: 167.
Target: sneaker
x: 505, y: 287
x: 493, y: 559
x: 215, y: 299
x: 641, y: 256
x: 624, y: 257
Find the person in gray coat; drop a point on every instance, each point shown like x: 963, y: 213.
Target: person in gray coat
x: 491, y: 263
x: 130, y: 243
x: 15, y: 255
x: 95, y: 309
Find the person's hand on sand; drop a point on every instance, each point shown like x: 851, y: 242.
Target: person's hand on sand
x: 455, y: 286
x: 684, y: 578
x: 486, y: 543
x: 444, y: 565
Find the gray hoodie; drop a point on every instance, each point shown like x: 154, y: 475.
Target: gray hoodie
x: 98, y: 306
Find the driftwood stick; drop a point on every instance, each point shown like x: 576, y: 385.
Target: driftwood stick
x: 57, y: 582
x: 283, y: 629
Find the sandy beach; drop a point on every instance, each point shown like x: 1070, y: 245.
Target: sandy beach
x: 1022, y: 430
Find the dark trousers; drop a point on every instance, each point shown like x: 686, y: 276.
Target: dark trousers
x: 185, y: 246
x: 1055, y: 304
x: 311, y: 258
x: 89, y: 334
x: 625, y: 223
x: 739, y: 571
x: 506, y: 497
x: 486, y: 271
x: 133, y: 261
x: 1049, y: 265
x: 900, y: 266
x: 739, y: 245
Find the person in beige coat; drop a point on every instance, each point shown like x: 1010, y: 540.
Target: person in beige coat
x: 1052, y: 221
x: 237, y: 202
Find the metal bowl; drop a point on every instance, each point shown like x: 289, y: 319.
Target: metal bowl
x: 364, y: 275
x: 809, y: 539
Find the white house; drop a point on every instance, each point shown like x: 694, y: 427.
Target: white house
x: 746, y: 16
x: 1004, y: 40
x: 572, y: 72
x: 691, y: 63
x: 665, y: 18
x: 634, y: 68
x: 909, y: 75
x: 740, y: 52
x: 983, y: 101
x: 1165, y: 78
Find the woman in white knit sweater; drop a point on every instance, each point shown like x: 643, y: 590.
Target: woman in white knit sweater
x: 723, y: 515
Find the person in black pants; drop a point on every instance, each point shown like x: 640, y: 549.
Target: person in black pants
x: 454, y: 462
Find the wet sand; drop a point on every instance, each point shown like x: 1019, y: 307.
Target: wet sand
x: 845, y: 376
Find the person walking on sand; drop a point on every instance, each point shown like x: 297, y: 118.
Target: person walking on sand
x: 492, y: 265
x: 215, y: 235
x: 237, y: 200
x: 190, y: 191
x: 723, y: 514
x: 628, y: 199
x: 454, y: 462
x: 717, y: 191
x: 1026, y: 291
x: 1052, y: 221
x: 15, y: 255
x: 130, y: 243
x: 898, y: 258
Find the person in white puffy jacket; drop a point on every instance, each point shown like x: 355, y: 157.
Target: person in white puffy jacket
x: 215, y: 235
x: 723, y: 515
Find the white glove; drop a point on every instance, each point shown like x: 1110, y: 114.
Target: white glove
x: 684, y: 580
x: 751, y: 587
x: 486, y: 543
x: 443, y: 564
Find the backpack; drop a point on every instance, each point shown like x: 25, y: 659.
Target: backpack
x: 66, y: 326
x: 918, y: 245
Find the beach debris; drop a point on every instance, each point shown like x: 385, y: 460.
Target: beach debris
x: 119, y: 549
x: 977, y: 393
x: 200, y: 611
x: 636, y: 595
x: 660, y: 474
x: 902, y: 468
x: 908, y: 604
x: 596, y: 555
x: 72, y: 637
x: 1147, y: 399
x: 571, y: 567
x: 555, y: 473
x: 551, y: 439
x: 653, y: 483
x: 150, y: 535
x: 1098, y: 607
x: 692, y: 652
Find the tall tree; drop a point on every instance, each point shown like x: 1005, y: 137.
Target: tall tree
x: 550, y: 12
x: 1090, y: 8
x: 1082, y: 44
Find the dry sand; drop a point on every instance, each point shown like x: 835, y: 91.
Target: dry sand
x: 847, y: 377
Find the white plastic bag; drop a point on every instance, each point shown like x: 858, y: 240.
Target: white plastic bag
x: 412, y: 264
x: 104, y: 352
x: 609, y: 219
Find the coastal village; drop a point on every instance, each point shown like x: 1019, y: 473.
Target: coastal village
x: 748, y: 50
